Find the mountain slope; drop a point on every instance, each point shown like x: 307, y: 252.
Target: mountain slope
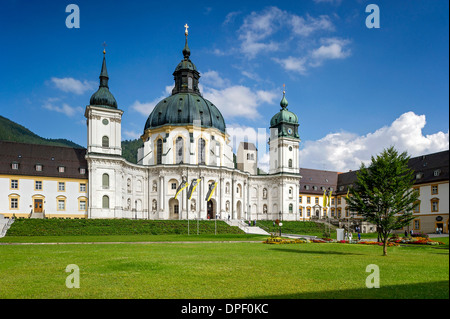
x: 11, y: 131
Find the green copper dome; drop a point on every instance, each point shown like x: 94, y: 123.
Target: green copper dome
x: 284, y: 116
x: 103, y: 96
x: 183, y: 109
x: 285, y: 121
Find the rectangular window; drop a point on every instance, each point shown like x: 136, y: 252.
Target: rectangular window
x: 82, y: 205
x: 416, y: 224
x: 82, y: 171
x: 317, y: 200
x: 61, y: 169
x: 82, y: 187
x: 434, y: 189
x: 174, y: 186
x: 332, y: 201
x: 308, y: 200
x: 435, y: 206
x: 61, y: 204
x: 61, y: 186
x: 308, y: 212
x: 417, y: 208
x: 38, y: 185
x: 300, y: 199
x: 300, y: 211
x: 38, y: 168
x: 14, y: 184
x: 15, y: 165
x: 14, y: 204
x: 339, y: 201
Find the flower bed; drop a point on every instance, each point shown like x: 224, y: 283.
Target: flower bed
x: 416, y: 241
x: 281, y: 241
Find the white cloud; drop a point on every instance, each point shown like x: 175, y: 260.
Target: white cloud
x: 238, y: 101
x: 293, y: 64
x: 145, y: 108
x: 72, y: 85
x: 332, y: 48
x: 259, y: 26
x: 231, y: 16
x: 212, y: 78
x: 307, y: 26
x: 64, y: 108
x: 344, y: 151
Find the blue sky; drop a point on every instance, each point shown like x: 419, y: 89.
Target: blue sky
x: 355, y: 90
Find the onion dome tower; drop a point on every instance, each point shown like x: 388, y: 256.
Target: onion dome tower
x: 103, y: 119
x: 103, y: 97
x: 186, y: 104
x: 284, y: 140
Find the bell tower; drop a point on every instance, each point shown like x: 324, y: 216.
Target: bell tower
x: 284, y: 140
x: 103, y: 119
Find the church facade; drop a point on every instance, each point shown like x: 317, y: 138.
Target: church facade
x: 186, y: 144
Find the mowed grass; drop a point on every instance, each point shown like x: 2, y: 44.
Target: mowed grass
x: 222, y: 270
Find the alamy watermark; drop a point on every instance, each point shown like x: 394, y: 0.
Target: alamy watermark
x: 73, y: 19
x: 373, y: 280
x: 373, y: 19
x: 73, y: 280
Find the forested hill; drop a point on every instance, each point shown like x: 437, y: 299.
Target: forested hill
x: 13, y: 132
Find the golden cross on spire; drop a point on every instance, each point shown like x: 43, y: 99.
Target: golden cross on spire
x: 104, y: 47
x: 186, y: 31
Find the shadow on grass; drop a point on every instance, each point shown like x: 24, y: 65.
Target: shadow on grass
x: 313, y: 252
x: 428, y: 290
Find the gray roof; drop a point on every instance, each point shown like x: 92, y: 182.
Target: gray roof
x: 50, y: 157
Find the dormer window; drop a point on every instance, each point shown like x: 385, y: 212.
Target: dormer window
x: 437, y: 172
x: 15, y: 165
x: 419, y: 175
x: 82, y: 171
x: 61, y: 169
x: 38, y: 167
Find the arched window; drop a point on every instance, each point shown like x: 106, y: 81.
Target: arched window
x: 105, y: 141
x: 105, y: 201
x: 201, y: 151
x: 290, y: 163
x: 179, y: 150
x: 105, y: 181
x: 159, y: 150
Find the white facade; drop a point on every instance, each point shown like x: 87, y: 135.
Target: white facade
x: 147, y: 190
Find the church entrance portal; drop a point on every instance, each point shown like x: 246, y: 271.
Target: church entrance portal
x: 174, y: 208
x: 210, y: 207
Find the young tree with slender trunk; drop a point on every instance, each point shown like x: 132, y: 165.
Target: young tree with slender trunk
x: 383, y: 193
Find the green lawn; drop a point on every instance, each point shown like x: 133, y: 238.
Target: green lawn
x: 222, y: 270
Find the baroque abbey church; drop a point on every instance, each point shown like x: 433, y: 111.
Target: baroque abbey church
x: 185, y: 170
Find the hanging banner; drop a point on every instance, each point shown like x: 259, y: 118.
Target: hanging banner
x: 194, y: 184
x: 182, y: 186
x: 212, y: 187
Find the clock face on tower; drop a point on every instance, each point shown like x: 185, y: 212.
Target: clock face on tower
x: 289, y: 131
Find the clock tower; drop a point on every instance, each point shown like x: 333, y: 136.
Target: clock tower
x: 284, y: 140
